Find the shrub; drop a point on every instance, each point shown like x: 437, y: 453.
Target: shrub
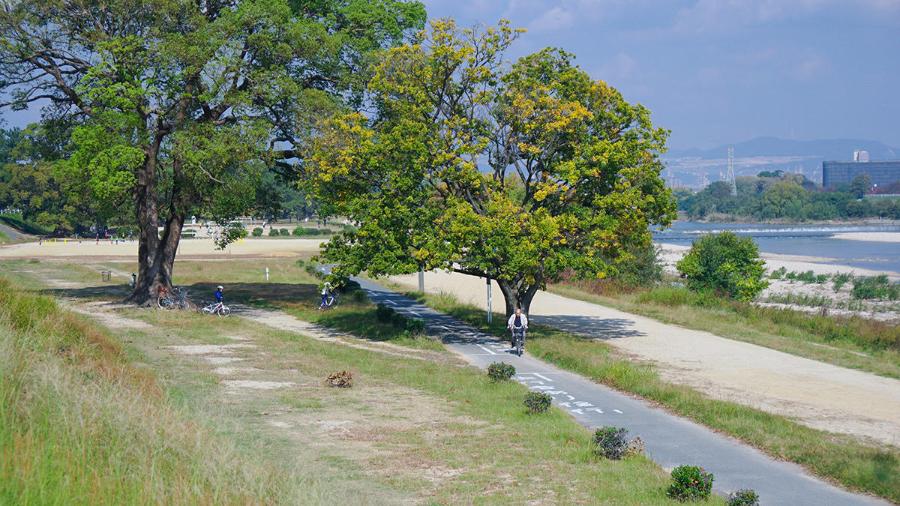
x: 298, y: 231
x: 875, y: 287
x: 537, y: 402
x: 273, y: 232
x: 634, y: 447
x: 500, y: 371
x: 611, y: 442
x: 724, y: 263
x: 398, y: 320
x: 359, y: 296
x: 690, y: 483
x: 383, y: 313
x: 745, y: 497
x: 778, y: 273
x: 821, y: 278
x: 415, y: 325
x: 283, y: 232
x: 340, y: 379
x: 840, y: 279
x: 257, y: 232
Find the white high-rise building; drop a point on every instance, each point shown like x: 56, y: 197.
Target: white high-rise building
x: 860, y: 155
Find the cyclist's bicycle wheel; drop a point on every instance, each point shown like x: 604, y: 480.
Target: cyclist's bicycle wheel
x: 224, y: 311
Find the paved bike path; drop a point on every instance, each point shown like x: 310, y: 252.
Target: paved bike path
x: 670, y: 440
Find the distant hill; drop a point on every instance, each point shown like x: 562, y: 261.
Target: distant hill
x: 823, y: 149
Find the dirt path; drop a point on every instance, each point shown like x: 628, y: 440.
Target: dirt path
x: 284, y: 321
x: 816, y: 394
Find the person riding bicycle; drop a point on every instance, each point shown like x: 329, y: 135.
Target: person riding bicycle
x: 517, y: 322
x: 326, y: 293
x: 218, y: 294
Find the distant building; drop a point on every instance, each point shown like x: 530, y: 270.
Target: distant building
x: 880, y: 173
x: 860, y: 155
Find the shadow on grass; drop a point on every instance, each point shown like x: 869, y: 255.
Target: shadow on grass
x: 590, y: 327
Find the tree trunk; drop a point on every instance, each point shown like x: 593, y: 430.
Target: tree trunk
x: 517, y: 295
x: 145, y: 201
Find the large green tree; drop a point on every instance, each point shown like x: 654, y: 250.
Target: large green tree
x: 515, y: 173
x: 177, y: 107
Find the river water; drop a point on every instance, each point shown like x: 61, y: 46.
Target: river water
x: 805, y: 240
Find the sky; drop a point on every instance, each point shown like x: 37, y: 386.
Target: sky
x: 717, y: 72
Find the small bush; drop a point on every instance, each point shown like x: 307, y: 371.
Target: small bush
x: 537, y: 402
x: 821, y: 278
x: 500, y: 371
x: 634, y: 447
x: 283, y: 232
x: 611, y: 442
x: 273, y: 232
x: 340, y: 379
x: 778, y: 273
x: 745, y: 497
x: 398, y: 320
x: 690, y: 483
x: 415, y: 325
x: 359, y: 296
x: 875, y: 287
x: 257, y: 232
x: 724, y: 263
x: 840, y: 279
x: 383, y: 313
x: 297, y: 232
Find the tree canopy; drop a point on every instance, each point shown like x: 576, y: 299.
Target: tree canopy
x: 178, y: 107
x: 518, y: 172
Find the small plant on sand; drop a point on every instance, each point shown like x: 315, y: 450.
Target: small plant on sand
x: 840, y: 279
x: 611, y: 442
x: 690, y: 483
x: 340, y: 379
x: 257, y: 232
x: 745, y: 497
x: 283, y: 232
x: 500, y: 371
x: 273, y: 232
x: 537, y: 402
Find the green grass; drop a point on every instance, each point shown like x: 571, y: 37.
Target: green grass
x: 80, y: 425
x: 186, y: 443
x: 835, y: 457
x: 855, y: 342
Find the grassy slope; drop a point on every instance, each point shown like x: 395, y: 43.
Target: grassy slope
x: 856, y: 344
x: 127, y: 441
x: 79, y: 424
x: 836, y: 457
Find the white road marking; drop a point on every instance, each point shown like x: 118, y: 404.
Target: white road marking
x: 486, y: 349
x: 598, y: 410
x: 390, y: 302
x: 577, y: 411
x: 543, y: 377
x: 570, y: 397
x: 413, y: 312
x: 583, y: 404
x: 617, y: 411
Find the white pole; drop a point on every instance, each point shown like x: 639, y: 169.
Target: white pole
x: 422, y: 279
x: 267, y: 273
x: 490, y: 313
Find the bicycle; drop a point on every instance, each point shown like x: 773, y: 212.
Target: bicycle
x: 518, y: 340
x: 217, y: 308
x: 330, y: 301
x: 177, y: 298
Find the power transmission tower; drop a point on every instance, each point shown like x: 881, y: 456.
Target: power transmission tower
x: 730, y: 178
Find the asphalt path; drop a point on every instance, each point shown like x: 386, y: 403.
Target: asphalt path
x: 669, y: 440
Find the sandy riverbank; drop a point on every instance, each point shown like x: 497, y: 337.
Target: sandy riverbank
x: 187, y: 248
x: 891, y: 237
x: 671, y: 253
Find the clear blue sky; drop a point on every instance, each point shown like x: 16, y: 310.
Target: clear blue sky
x: 725, y: 71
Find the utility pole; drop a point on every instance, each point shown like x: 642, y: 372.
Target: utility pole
x: 490, y: 313
x: 731, y: 180
x: 421, y: 279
